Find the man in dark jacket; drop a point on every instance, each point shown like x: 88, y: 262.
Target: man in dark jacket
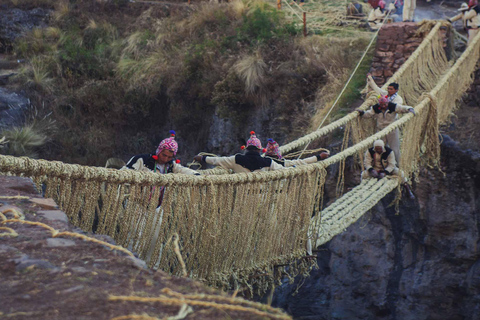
x: 251, y: 161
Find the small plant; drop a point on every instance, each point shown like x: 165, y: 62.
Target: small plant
x: 36, y: 75
x: 22, y: 141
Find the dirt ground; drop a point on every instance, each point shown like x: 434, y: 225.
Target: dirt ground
x: 43, y: 277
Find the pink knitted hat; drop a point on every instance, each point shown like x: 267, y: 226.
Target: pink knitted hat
x: 254, y: 141
x: 273, y: 149
x: 382, y: 99
x: 168, y: 144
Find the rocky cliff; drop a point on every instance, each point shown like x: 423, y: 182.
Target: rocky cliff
x: 420, y: 264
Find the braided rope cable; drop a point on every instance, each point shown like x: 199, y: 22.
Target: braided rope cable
x: 259, y: 216
x: 410, y: 63
x: 339, y: 217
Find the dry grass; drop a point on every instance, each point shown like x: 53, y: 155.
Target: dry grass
x: 252, y: 70
x: 36, y: 75
x: 62, y: 9
x: 338, y: 56
x: 22, y: 141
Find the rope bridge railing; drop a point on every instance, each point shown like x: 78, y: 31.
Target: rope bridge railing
x: 232, y: 229
x: 420, y: 141
x: 412, y: 76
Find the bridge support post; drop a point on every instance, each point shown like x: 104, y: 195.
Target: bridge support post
x: 304, y: 24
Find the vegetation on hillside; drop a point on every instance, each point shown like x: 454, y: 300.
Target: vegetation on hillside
x: 116, y: 76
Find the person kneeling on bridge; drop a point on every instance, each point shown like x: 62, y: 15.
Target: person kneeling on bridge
x: 385, y: 113
x: 251, y: 161
x: 379, y: 162
x: 274, y: 153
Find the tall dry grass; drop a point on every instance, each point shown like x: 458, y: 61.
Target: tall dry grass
x: 252, y: 70
x: 338, y: 57
x: 23, y: 141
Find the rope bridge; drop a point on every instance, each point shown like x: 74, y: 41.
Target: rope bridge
x: 239, y: 230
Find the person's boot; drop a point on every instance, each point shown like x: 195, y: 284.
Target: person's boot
x: 409, y: 191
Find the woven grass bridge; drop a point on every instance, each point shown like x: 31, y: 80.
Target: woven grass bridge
x: 237, y: 230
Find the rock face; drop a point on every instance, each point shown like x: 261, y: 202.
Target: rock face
x: 12, y: 108
x: 14, y: 22
x: 420, y: 264
x: 395, y: 44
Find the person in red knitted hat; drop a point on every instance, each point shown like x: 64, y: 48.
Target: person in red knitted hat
x: 385, y: 113
x: 251, y: 161
x: 162, y: 161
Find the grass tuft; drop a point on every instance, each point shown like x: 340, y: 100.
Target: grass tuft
x: 251, y: 69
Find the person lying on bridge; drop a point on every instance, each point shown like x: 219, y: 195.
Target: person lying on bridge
x: 251, y: 161
x: 380, y: 162
x: 274, y: 153
x: 385, y: 113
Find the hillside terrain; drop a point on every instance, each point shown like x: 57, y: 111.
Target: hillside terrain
x: 105, y: 79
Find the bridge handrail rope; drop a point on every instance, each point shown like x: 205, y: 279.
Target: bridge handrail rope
x: 434, y: 109
x: 348, y: 81
x: 234, y: 228
x: 293, y: 10
x: 410, y: 63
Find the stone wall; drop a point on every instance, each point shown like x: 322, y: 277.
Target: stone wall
x: 395, y: 44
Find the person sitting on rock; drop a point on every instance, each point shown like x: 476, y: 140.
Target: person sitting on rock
x: 251, y: 161
x: 274, y: 153
x: 385, y: 113
x: 391, y: 92
x: 377, y: 14
x: 379, y: 162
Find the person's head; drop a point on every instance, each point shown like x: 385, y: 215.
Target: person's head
x: 463, y: 7
x: 167, y: 149
x: 381, y: 4
x: 392, y: 88
x: 253, y: 144
x: 472, y: 3
x: 379, y: 146
x: 273, y: 149
x: 383, y: 102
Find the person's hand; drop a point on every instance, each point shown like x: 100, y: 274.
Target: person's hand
x: 324, y: 155
x: 360, y: 112
x: 381, y: 175
x: 198, y: 158
x: 374, y: 173
x: 412, y: 111
x: 449, y: 20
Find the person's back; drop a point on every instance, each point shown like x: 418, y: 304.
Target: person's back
x: 251, y: 161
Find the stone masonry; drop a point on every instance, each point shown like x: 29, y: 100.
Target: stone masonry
x: 395, y: 44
